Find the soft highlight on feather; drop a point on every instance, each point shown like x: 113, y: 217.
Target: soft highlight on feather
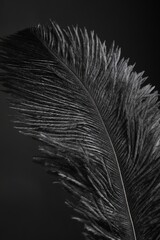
x: 97, y: 125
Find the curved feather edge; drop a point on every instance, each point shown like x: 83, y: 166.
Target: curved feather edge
x: 98, y: 124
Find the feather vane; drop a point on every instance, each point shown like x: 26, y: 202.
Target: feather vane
x: 97, y: 123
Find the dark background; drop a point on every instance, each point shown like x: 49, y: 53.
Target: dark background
x: 31, y: 207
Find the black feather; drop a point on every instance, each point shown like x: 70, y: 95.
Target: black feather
x: 98, y: 124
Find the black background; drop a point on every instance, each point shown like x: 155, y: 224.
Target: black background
x: 31, y: 207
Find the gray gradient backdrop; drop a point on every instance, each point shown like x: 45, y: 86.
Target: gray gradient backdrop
x: 31, y: 207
